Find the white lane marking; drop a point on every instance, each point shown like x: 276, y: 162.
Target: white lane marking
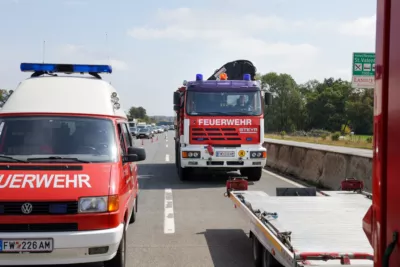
x: 166, y: 145
x: 169, y: 221
x: 167, y: 157
x: 286, y: 180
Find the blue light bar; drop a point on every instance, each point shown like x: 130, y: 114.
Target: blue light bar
x: 247, y: 77
x: 199, y: 77
x: 65, y: 68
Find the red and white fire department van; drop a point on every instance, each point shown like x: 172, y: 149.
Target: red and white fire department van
x: 68, y: 178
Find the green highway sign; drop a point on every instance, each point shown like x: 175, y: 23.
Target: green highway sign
x: 363, y: 70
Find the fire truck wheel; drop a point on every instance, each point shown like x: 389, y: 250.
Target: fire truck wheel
x: 257, y: 251
x: 253, y: 174
x: 268, y: 260
x: 120, y: 258
x: 184, y: 173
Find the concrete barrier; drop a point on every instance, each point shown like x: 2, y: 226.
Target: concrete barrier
x: 320, y: 164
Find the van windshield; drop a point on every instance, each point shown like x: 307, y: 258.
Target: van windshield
x: 86, y: 139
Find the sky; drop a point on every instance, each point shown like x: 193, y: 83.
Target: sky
x: 154, y: 45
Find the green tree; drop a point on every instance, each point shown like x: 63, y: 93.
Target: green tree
x: 287, y: 110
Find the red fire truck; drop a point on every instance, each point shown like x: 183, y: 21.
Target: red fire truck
x: 220, y: 122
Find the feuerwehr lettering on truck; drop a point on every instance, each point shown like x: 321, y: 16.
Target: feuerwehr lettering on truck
x: 222, y: 122
x: 44, y: 181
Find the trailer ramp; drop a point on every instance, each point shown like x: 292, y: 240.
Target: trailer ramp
x: 320, y: 230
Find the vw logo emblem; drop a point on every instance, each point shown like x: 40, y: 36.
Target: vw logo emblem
x: 26, y: 208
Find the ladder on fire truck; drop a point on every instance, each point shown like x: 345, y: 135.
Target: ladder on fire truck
x: 300, y: 227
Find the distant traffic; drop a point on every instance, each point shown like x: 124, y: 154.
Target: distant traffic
x: 142, y: 130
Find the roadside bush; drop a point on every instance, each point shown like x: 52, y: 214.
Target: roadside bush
x: 335, y: 136
x: 283, y: 133
x: 324, y: 136
x: 369, y: 139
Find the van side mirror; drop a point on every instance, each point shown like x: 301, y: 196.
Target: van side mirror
x: 268, y: 98
x: 177, y: 98
x: 135, y: 154
x: 176, y: 108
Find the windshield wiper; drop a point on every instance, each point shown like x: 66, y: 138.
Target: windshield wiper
x: 212, y: 113
x: 8, y: 158
x: 249, y: 113
x: 59, y: 158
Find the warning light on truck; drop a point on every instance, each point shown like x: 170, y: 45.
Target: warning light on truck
x: 65, y: 68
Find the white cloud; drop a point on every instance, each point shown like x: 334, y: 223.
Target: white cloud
x: 227, y: 32
x: 361, y: 27
x: 79, y: 53
x: 273, y: 43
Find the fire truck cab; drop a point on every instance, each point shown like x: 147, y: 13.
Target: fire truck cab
x: 68, y: 178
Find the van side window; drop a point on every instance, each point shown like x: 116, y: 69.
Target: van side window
x: 127, y: 134
x: 121, y: 138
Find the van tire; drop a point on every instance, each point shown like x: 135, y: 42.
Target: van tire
x: 134, y: 211
x: 119, y: 259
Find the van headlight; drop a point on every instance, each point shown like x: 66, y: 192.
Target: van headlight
x: 93, y: 204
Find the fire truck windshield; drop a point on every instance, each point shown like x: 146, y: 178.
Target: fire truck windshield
x: 227, y: 103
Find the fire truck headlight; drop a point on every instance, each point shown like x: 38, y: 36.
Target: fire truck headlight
x: 93, y: 204
x: 258, y: 154
x: 191, y: 154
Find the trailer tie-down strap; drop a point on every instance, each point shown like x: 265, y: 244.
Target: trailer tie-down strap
x: 284, y: 237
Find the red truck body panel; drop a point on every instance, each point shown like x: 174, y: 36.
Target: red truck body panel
x: 383, y: 219
x: 218, y: 130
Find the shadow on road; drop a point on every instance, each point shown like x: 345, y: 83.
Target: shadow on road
x: 161, y: 176
x: 229, y: 247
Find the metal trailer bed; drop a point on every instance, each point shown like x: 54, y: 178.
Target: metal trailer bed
x: 321, y: 230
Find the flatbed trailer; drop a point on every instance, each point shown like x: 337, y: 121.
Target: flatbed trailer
x: 300, y: 227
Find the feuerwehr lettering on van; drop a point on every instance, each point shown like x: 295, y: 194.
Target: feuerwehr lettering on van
x: 44, y: 181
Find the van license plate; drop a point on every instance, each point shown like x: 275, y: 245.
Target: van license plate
x: 225, y: 154
x: 26, y: 245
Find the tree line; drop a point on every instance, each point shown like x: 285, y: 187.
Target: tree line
x: 139, y: 113
x: 331, y: 105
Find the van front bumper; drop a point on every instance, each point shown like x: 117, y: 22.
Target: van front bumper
x: 69, y: 247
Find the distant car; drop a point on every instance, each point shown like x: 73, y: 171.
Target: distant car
x: 144, y: 133
x: 152, y: 130
x: 134, y: 131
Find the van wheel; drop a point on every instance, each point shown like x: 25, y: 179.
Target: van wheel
x: 120, y: 258
x: 257, y: 251
x: 134, y: 211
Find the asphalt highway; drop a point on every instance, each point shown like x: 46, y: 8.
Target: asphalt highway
x: 205, y: 229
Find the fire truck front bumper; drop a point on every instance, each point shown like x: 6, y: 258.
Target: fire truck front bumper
x: 233, y: 158
x: 62, y: 247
